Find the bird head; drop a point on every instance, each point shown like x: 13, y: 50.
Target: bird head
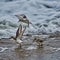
x: 21, y: 17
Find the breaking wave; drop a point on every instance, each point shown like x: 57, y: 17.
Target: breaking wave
x: 44, y: 14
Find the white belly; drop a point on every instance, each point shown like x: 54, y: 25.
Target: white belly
x: 23, y: 24
x: 19, y: 41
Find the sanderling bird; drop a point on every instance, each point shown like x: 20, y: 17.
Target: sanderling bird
x: 23, y: 24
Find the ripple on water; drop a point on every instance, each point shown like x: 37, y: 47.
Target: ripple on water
x: 2, y: 49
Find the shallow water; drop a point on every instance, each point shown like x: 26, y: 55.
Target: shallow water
x: 30, y: 51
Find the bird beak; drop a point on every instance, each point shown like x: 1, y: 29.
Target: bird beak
x: 17, y: 16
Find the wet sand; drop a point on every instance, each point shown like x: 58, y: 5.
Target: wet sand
x: 30, y: 51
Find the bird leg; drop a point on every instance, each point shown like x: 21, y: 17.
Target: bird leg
x: 20, y: 46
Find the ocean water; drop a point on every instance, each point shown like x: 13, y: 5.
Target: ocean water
x: 44, y: 14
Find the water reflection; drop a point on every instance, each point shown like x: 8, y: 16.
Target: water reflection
x: 29, y: 54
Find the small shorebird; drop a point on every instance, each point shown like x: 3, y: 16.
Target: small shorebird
x: 24, y: 23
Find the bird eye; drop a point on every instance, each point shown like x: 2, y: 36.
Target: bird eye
x: 24, y: 16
